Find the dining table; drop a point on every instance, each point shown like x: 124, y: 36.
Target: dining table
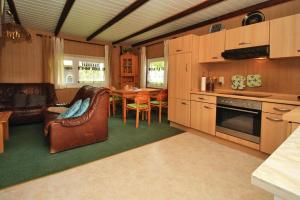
x: 130, y: 94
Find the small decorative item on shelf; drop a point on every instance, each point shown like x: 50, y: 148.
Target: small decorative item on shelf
x: 253, y: 17
x: 254, y: 80
x: 238, y: 82
x: 216, y: 27
x: 126, y: 50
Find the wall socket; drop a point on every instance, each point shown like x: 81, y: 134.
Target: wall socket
x: 221, y: 80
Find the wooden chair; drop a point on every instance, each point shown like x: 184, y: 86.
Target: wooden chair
x: 141, y: 104
x: 112, y: 102
x: 160, y: 102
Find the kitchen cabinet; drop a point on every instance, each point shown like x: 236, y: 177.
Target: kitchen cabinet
x: 203, y: 115
x: 179, y: 111
x: 284, y: 37
x: 292, y: 127
x: 274, y: 131
x: 211, y: 47
x: 248, y: 36
x: 181, y: 44
x: 179, y: 79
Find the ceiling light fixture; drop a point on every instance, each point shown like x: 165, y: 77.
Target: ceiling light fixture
x: 14, y: 32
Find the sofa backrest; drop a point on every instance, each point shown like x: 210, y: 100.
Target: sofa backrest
x: 8, y: 90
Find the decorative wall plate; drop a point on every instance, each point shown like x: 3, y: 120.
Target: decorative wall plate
x: 254, y: 80
x: 238, y: 82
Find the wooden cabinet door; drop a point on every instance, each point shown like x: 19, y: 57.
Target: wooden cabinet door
x: 172, y: 67
x: 181, y: 45
x: 284, y: 37
x: 172, y: 109
x: 196, y: 115
x: 273, y: 132
x: 208, y: 122
x: 211, y: 47
x: 182, y: 112
x: 248, y: 36
x: 203, y: 117
x: 183, y: 75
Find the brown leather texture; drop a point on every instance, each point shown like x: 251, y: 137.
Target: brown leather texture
x: 26, y: 114
x: 89, y: 128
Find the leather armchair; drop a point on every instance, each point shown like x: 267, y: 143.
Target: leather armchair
x: 89, y: 128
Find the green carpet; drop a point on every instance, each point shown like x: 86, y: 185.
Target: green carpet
x: 27, y: 154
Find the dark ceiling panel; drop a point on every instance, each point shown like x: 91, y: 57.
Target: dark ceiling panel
x: 63, y: 16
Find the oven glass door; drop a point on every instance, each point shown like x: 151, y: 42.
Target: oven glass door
x: 239, y: 122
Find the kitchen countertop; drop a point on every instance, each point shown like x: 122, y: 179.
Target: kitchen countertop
x: 266, y: 97
x: 292, y: 116
x: 280, y: 173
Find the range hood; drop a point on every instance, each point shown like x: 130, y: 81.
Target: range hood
x: 246, y: 53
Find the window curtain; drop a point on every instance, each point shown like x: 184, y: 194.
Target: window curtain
x: 53, y: 60
x: 143, y: 67
x: 166, y: 57
x: 107, y: 65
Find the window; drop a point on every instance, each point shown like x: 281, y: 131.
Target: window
x: 156, y: 73
x: 79, y: 70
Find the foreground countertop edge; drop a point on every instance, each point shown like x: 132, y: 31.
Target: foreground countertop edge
x: 259, y: 181
x: 274, y: 98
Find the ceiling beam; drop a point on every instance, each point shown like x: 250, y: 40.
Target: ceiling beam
x: 132, y: 7
x: 184, y: 13
x: 63, y: 15
x: 13, y: 10
x: 214, y: 20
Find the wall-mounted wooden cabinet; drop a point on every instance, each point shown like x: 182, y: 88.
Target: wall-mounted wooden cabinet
x: 248, y: 36
x: 211, y: 47
x: 284, y: 37
x: 128, y: 69
x: 181, y: 45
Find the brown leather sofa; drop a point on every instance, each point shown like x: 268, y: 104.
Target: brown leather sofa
x: 35, y: 97
x: 89, y: 128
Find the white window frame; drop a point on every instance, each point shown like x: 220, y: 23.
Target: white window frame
x: 76, y: 59
x: 148, y: 64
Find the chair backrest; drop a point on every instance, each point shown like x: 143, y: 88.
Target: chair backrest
x: 142, y: 98
x: 162, y: 95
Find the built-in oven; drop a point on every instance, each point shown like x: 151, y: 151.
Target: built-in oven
x: 239, y: 118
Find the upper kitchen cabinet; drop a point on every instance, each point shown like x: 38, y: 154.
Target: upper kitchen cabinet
x: 211, y: 46
x: 182, y: 44
x: 284, y: 37
x: 248, y: 36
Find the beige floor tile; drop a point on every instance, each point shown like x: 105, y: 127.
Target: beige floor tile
x: 185, y: 166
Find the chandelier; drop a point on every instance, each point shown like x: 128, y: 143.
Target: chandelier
x: 14, y: 32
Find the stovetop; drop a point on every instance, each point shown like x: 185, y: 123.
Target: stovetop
x: 246, y: 94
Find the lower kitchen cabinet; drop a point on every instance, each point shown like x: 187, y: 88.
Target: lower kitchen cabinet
x: 273, y: 132
x: 179, y: 111
x: 203, y: 117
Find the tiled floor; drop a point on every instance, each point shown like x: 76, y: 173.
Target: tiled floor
x: 186, y: 166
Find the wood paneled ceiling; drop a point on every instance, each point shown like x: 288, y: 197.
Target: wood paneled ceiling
x: 126, y: 21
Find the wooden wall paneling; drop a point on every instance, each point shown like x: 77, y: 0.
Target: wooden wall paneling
x: 115, y: 66
x: 22, y: 62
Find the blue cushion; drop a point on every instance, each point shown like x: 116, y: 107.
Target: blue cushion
x: 83, y: 108
x: 71, y: 111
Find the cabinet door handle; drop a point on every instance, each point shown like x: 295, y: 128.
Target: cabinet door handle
x: 178, y: 50
x: 186, y: 68
x: 298, y: 50
x: 215, y: 57
x: 274, y: 119
x: 201, y: 98
x: 282, y: 109
x: 208, y: 107
x: 183, y: 103
x: 243, y: 43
